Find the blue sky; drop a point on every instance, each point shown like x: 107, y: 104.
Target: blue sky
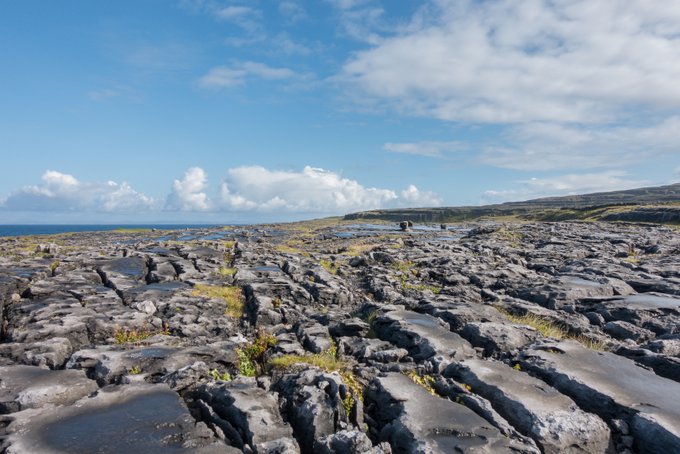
x: 228, y: 111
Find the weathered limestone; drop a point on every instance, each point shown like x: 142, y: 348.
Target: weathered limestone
x: 537, y: 410
x: 146, y: 418
x: 111, y: 328
x: 412, y: 420
x: 424, y: 336
x: 614, y: 388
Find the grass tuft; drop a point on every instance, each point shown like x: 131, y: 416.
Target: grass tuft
x: 251, y: 357
x: 232, y: 295
x: 544, y: 326
x: 226, y: 271
x: 135, y: 335
x: 425, y: 381
x: 548, y: 328
x: 330, y: 266
x: 217, y: 376
x: 328, y: 362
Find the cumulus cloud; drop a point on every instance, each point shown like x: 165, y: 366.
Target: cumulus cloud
x: 507, y: 61
x: 188, y: 193
x: 414, y: 197
x: 312, y: 190
x: 569, y: 184
x: 63, y: 192
x: 244, y: 189
x: 429, y: 149
x: 222, y: 77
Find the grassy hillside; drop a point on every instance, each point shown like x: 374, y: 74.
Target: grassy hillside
x: 656, y: 204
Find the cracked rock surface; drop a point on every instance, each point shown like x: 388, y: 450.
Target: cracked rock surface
x: 337, y: 337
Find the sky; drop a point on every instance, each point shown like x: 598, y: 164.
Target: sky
x: 226, y: 111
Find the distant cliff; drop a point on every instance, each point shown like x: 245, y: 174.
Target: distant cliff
x: 654, y: 204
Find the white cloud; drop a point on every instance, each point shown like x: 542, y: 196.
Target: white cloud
x: 348, y: 4
x: 360, y: 19
x: 506, y: 61
x: 245, y: 189
x: 234, y: 12
x: 292, y: 10
x: 266, y: 72
x: 414, y: 197
x: 312, y: 190
x: 429, y: 149
x: 222, y: 77
x: 547, y: 146
x: 289, y: 47
x: 187, y: 194
x: 63, y: 192
x: 564, y: 185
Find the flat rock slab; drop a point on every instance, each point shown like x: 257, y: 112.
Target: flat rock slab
x: 423, y: 336
x: 643, y: 301
x: 536, y: 409
x: 23, y: 387
x: 458, y: 313
x: 413, y: 420
x: 149, y: 419
x: 613, y: 387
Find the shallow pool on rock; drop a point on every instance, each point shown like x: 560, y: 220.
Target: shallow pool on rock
x: 148, y: 419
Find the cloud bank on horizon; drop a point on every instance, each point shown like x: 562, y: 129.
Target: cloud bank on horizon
x: 243, y: 189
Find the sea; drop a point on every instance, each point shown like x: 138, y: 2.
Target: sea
x: 40, y: 229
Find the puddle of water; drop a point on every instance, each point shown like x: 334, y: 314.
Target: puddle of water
x: 165, y: 286
x: 129, y: 266
x: 653, y: 301
x: 369, y: 226
x: 427, y: 228
x: 23, y: 272
x: 158, y: 250
x: 353, y: 234
x: 578, y: 282
x: 274, y: 269
x: 149, y: 423
x: 421, y: 320
x: 154, y: 352
x: 214, y: 236
x: 448, y: 238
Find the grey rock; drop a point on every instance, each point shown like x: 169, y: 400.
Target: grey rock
x: 145, y: 418
x: 424, y: 336
x: 23, y: 387
x: 312, y: 402
x: 625, y: 330
x: 350, y: 442
x: 614, y: 388
x: 498, y: 338
x: 251, y: 412
x: 412, y: 420
x: 534, y: 408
